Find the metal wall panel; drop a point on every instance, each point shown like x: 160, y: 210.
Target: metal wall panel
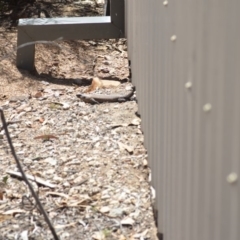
x: 188, y: 91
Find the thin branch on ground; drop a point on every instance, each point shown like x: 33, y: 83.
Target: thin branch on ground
x: 33, y: 43
x: 25, y: 178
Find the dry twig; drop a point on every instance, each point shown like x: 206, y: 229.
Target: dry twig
x: 36, y: 179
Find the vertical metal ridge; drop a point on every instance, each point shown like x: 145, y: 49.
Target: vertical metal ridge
x: 188, y: 94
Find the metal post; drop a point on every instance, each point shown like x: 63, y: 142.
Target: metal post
x: 49, y: 29
x: 26, y: 54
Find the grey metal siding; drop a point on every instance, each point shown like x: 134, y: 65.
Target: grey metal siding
x: 192, y: 134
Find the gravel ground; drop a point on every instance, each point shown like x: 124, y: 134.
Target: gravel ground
x: 88, y: 162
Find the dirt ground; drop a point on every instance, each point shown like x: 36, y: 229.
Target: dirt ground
x: 88, y: 162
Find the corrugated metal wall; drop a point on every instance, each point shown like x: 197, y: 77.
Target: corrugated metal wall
x: 185, y: 59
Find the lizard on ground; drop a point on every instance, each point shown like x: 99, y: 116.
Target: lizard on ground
x: 100, y: 98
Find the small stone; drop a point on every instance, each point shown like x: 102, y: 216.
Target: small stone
x: 27, y: 161
x: 45, y: 83
x: 142, y: 235
x: 98, y: 236
x: 129, y: 148
x: 100, y: 2
x: 106, y: 63
x: 136, y: 121
x: 78, y: 180
x: 38, y: 94
x: 70, y: 129
x: 66, y: 106
x: 65, y: 235
x: 47, y: 90
x: 127, y: 221
x: 20, y: 153
x: 105, y: 192
x: 64, y: 174
x: 128, y: 88
x: 24, y: 235
x: 66, y: 184
x: 72, y: 191
x: 114, y: 203
x: 105, y: 70
x: 77, y: 135
x: 135, y: 214
x: 17, y: 145
x: 49, y: 171
x: 57, y: 179
x: 125, y: 147
x: 28, y: 109
x: 82, y: 113
x: 81, y: 104
x: 56, y: 94
x: 117, y: 212
x: 92, y: 43
x: 105, y: 197
x: 104, y: 209
x: 153, y: 192
x: 122, y: 237
x: 145, y: 162
x: 51, y: 161
x: 70, y: 90
x: 28, y: 124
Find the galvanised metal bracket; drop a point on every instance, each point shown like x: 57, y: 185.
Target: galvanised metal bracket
x: 49, y: 29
